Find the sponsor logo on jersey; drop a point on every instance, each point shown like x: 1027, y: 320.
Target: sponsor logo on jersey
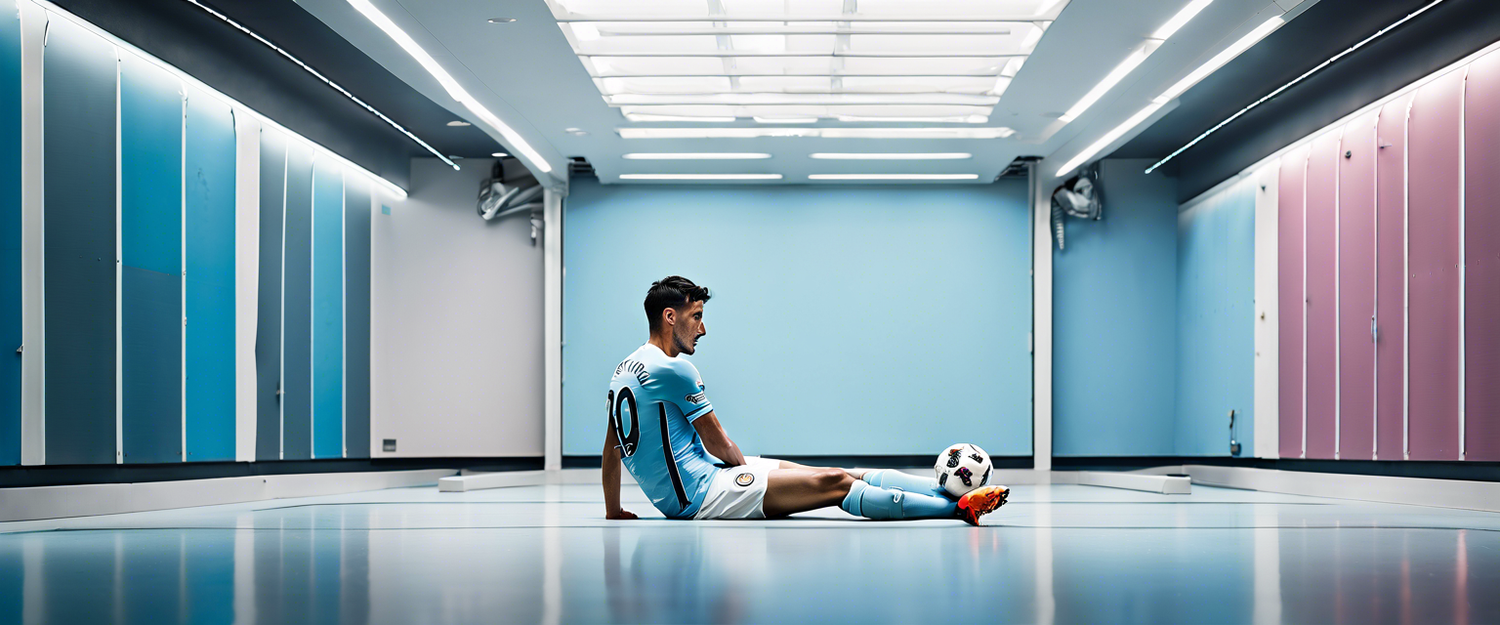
x: 697, y: 398
x: 745, y: 479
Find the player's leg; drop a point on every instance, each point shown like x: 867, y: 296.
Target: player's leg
x: 885, y: 478
x: 891, y: 478
x: 787, y: 464
x: 789, y: 491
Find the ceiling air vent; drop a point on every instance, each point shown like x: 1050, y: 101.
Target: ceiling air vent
x: 579, y: 166
x: 1017, y: 167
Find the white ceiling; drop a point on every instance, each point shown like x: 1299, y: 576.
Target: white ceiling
x: 528, y: 75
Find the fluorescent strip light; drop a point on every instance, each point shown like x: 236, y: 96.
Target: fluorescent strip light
x: 1109, y: 82
x: 714, y: 133
x: 455, y: 90
x: 998, y: 132
x: 810, y: 99
x: 316, y: 74
x: 1135, y: 59
x: 1220, y: 59
x: 786, y: 120
x: 830, y: 133
x: 891, y: 156
x: 1108, y: 138
x: 700, y: 176
x: 965, y: 119
x: 893, y: 177
x: 695, y: 156
x: 1180, y: 19
x: 235, y: 106
x: 1288, y: 85
x: 652, y: 117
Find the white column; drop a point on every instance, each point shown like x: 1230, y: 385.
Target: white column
x: 1267, y: 321
x: 552, y: 277
x: 246, y: 280
x: 33, y: 349
x: 1041, y: 322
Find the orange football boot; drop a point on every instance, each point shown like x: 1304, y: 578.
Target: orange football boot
x: 981, y: 501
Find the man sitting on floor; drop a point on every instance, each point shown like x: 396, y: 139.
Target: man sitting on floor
x: 663, y: 429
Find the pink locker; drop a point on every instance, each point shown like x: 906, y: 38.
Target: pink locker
x: 1356, y: 288
x: 1482, y: 260
x: 1289, y: 232
x: 1390, y: 349
x: 1433, y: 221
x: 1321, y: 253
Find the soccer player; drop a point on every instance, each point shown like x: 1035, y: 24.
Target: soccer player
x: 664, y: 430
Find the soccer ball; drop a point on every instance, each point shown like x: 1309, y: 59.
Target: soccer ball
x: 962, y: 468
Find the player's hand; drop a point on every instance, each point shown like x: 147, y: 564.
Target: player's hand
x: 621, y: 515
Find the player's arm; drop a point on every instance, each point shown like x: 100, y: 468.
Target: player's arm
x: 716, y: 441
x: 611, y: 475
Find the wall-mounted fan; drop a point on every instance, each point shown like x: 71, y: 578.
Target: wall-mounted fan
x: 501, y: 197
x: 1079, y: 197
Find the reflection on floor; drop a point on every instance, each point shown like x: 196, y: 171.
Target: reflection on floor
x: 1073, y: 554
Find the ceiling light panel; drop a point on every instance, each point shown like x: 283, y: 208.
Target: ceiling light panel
x: 595, y: 30
x: 893, y: 177
x: 910, y: 113
x: 691, y: 177
x: 808, y: 10
x: 999, y: 132
x: 814, y: 54
x: 696, y: 156
x: 891, y: 156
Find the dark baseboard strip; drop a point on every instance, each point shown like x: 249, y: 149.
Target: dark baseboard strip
x: 1478, y: 471
x: 11, y: 477
x: 847, y: 461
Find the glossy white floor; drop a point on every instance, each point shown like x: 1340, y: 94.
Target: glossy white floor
x: 1062, y: 553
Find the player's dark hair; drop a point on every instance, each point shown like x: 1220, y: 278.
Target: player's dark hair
x: 672, y: 291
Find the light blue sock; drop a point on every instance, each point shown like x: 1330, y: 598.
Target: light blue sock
x: 891, y: 478
x: 874, y: 502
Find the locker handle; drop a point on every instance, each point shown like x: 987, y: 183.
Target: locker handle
x: 1374, y: 330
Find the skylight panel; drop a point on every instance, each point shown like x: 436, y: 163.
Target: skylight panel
x: 654, y: 66
x: 976, y: 85
x: 781, y: 8
x: 808, y: 58
x: 786, y: 84
x: 666, y: 85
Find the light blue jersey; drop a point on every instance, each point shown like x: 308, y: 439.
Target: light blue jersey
x: 653, y: 400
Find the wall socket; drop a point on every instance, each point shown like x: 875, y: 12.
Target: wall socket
x: 388, y: 444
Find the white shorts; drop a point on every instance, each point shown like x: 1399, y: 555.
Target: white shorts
x: 738, y: 492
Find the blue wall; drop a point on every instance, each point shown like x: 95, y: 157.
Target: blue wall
x: 1114, y: 302
x: 845, y: 319
x: 1216, y: 323
x: 328, y: 310
x: 151, y: 117
x: 177, y: 239
x: 78, y: 122
x: 10, y: 232
x: 208, y: 215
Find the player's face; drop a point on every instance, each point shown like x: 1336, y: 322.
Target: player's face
x: 689, y: 328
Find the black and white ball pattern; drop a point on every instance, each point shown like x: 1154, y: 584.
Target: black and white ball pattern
x: 961, y: 468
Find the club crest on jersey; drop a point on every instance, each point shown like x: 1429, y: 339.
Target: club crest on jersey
x: 745, y: 479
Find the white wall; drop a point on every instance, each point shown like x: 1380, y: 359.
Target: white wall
x: 456, y: 323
